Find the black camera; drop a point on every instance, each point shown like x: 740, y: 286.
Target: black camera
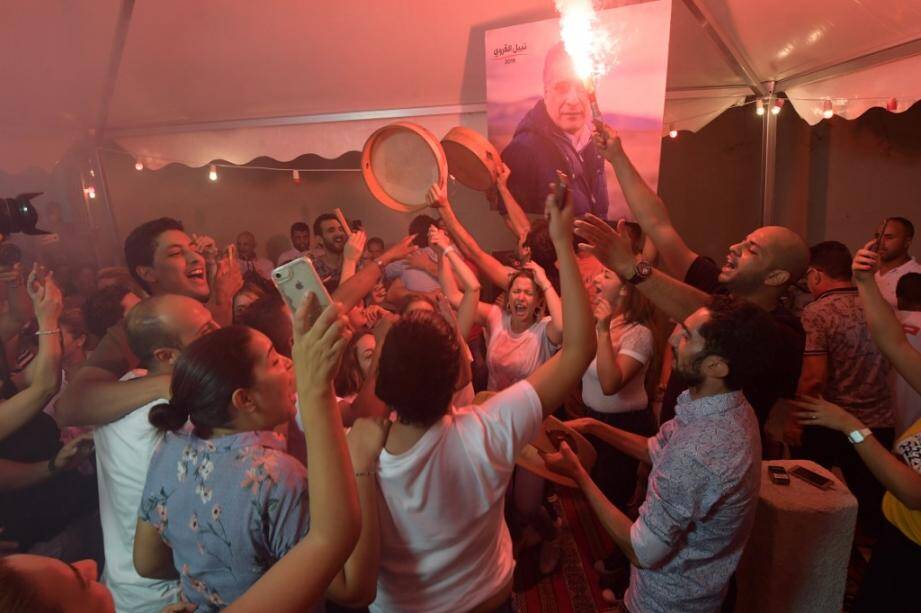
x: 18, y: 215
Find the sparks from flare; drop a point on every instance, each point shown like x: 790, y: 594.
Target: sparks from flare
x: 587, y: 43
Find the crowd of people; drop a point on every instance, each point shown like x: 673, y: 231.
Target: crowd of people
x: 174, y: 424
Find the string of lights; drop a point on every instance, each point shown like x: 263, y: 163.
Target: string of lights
x: 775, y: 104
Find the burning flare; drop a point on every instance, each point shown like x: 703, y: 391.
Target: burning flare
x: 587, y: 43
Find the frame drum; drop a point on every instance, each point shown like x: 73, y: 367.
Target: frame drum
x: 472, y: 159
x: 400, y: 162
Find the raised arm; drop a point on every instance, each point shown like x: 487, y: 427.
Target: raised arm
x: 884, y: 326
x: 351, y: 254
x: 612, y: 248
x: 647, y: 207
x: 335, y: 516
x: 614, y: 370
x: 517, y: 220
x: 554, y: 379
x: 490, y: 266
x: 354, y: 289
x: 451, y: 263
x: 46, y: 377
x: 552, y: 301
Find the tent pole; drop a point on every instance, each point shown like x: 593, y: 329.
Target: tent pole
x: 731, y: 53
x: 107, y: 203
x: 890, y: 54
x: 115, y: 60
x: 768, y: 159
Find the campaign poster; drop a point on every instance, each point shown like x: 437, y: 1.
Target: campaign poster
x: 538, y: 111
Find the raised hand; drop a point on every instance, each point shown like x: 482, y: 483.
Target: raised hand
x: 438, y: 238
x: 866, y: 262
x: 503, y: 174
x: 206, y: 246
x: 319, y: 342
x: 603, y: 314
x: 355, y: 245
x: 225, y: 277
x: 540, y: 276
x: 560, y: 219
x: 611, y: 246
x: 366, y: 440
x: 437, y: 196
x: 607, y: 141
x: 400, y: 250
x: 420, y: 260
x: 46, y: 297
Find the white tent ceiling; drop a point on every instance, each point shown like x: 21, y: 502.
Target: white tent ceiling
x: 235, y: 79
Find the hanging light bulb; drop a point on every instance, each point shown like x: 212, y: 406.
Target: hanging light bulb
x: 672, y: 132
x: 91, y: 192
x: 212, y: 172
x: 827, y: 111
x: 138, y: 166
x: 759, y: 107
x: 92, y: 172
x: 296, y: 176
x: 775, y: 108
x: 892, y: 105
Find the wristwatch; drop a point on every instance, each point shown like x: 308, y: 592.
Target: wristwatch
x: 858, y: 436
x: 641, y: 272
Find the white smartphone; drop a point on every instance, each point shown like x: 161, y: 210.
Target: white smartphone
x: 297, y: 277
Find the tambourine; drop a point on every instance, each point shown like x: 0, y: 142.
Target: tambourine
x: 553, y: 431
x: 400, y: 162
x: 472, y: 159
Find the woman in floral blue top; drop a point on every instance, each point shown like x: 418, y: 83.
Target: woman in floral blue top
x: 224, y: 502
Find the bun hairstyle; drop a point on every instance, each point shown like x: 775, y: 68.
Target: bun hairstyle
x: 206, y: 375
x: 168, y: 416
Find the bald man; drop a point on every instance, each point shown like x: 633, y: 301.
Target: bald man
x: 249, y: 260
x: 158, y: 328
x: 759, y: 268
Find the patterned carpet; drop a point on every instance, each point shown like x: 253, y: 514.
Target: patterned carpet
x: 574, y: 586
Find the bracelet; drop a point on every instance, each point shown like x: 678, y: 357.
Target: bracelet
x: 448, y: 249
x: 367, y: 473
x: 44, y: 332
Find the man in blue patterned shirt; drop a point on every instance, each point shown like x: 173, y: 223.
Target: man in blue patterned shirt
x: 705, y: 477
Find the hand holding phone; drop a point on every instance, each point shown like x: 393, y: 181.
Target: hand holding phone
x: 879, y: 239
x: 295, y: 279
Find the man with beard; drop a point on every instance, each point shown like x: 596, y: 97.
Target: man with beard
x: 895, y: 261
x: 705, y: 466
x: 556, y: 135
x: 329, y: 230
x: 759, y: 269
x: 163, y: 259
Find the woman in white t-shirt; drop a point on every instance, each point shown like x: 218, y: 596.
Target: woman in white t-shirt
x: 613, y: 387
x: 444, y: 471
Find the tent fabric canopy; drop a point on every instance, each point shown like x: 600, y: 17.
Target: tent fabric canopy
x: 234, y: 79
